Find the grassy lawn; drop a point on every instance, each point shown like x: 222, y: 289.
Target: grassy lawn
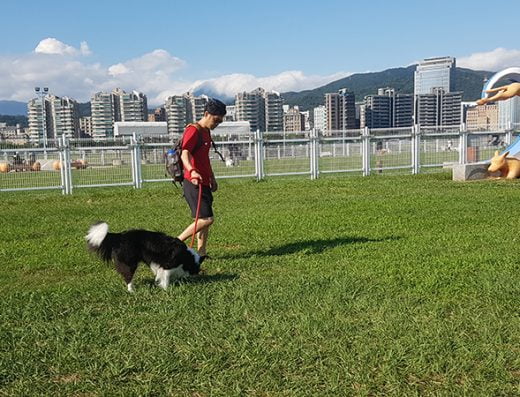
x: 383, y: 285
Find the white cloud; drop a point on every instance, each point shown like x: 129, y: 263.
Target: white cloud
x: 64, y: 75
x: 498, y: 59
x: 117, y: 69
x: 295, y: 80
x: 63, y: 69
x: 58, y: 66
x: 56, y: 47
x: 84, y: 49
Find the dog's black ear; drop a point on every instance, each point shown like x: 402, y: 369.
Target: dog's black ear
x: 202, y: 257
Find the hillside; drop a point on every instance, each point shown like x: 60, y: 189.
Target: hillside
x: 13, y: 108
x: 402, y: 79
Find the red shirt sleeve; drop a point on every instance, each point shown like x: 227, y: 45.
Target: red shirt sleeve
x: 190, y: 138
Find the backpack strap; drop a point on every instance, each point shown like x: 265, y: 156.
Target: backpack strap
x: 199, y: 143
x: 216, y: 151
x: 199, y: 137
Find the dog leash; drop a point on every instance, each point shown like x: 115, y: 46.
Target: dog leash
x: 197, y: 213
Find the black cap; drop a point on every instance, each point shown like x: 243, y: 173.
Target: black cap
x: 215, y: 107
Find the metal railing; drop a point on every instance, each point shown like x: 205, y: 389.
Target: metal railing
x: 67, y: 164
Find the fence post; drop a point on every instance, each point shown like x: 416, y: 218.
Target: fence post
x: 463, y: 144
x: 136, y: 162
x: 66, y: 164
x: 69, y: 164
x: 416, y: 149
x: 314, y: 153
x: 259, y: 155
x: 365, y: 152
x: 61, y: 155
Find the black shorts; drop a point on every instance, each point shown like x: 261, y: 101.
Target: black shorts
x: 191, y: 194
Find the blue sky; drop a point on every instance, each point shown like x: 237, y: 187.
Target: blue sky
x: 231, y: 45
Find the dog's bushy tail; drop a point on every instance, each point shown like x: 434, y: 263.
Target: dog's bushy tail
x: 97, y: 240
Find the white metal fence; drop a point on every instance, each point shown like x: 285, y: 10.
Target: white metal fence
x: 68, y: 164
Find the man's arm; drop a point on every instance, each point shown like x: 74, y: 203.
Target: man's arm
x: 195, y: 177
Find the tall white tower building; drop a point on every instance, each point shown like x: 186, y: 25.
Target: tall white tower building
x: 435, y: 73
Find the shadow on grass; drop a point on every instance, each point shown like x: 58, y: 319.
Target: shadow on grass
x: 308, y: 246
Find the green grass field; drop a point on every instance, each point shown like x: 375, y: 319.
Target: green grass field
x: 375, y: 286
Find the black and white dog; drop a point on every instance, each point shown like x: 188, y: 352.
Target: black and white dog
x: 168, y: 257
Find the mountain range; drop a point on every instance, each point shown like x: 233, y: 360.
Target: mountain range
x: 401, y: 79
x: 361, y: 84
x: 13, y: 108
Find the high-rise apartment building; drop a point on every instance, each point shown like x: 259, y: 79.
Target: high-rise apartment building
x: 102, y: 110
x: 196, y: 106
x: 37, y: 119
x: 107, y: 108
x: 347, y: 109
x: 52, y: 117
x: 435, y: 73
x: 274, y: 111
x: 132, y: 106
x: 63, y: 116
x: 340, y: 110
x: 176, y: 114
x: 450, y: 113
x: 439, y: 108
x: 403, y: 110
x: 263, y: 109
x: 436, y: 102
x: 376, y: 111
x: 181, y: 110
x: 387, y: 110
x: 250, y: 106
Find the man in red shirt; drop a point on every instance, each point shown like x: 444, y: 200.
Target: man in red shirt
x: 196, y: 143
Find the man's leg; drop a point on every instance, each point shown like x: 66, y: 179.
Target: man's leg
x: 202, y: 240
x: 201, y: 224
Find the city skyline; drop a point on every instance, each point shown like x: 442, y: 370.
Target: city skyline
x: 222, y: 49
